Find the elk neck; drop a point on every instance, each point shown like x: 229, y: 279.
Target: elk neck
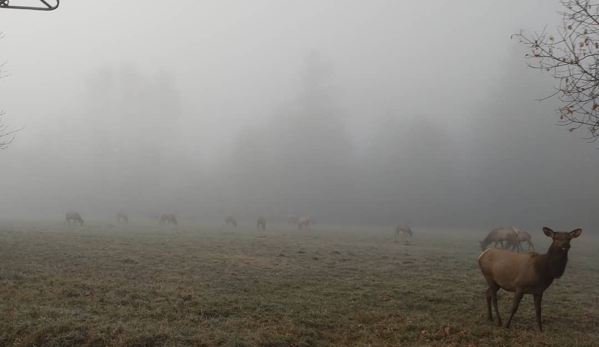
x: 556, y: 261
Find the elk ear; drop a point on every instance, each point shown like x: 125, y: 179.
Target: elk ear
x: 548, y: 232
x: 575, y: 233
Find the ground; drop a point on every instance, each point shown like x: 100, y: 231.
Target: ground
x: 105, y: 284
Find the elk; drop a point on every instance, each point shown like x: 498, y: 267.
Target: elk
x: 261, y: 223
x: 122, y: 217
x: 524, y: 236
x: 525, y: 273
x: 73, y: 216
x: 304, y: 222
x: 404, y: 229
x: 507, y: 234
x: 168, y: 218
x: 231, y: 220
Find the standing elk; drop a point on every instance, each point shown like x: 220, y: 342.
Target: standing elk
x: 499, y: 235
x: 122, y: 217
x: 73, y: 216
x: 230, y: 220
x: 304, y: 222
x: 168, y: 218
x: 404, y: 229
x: 525, y: 273
x: 261, y: 223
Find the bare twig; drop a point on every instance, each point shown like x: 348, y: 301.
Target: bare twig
x: 572, y: 57
x: 6, y: 136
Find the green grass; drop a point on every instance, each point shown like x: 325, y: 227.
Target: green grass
x: 146, y: 285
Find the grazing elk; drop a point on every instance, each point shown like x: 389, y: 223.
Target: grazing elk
x: 231, y: 220
x: 499, y: 235
x: 404, y: 229
x: 304, y: 222
x: 524, y: 236
x: 122, y: 217
x: 73, y: 216
x: 525, y: 273
x: 168, y: 218
x: 261, y: 223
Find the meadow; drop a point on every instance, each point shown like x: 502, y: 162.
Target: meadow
x: 142, y: 284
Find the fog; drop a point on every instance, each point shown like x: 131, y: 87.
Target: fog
x: 367, y: 113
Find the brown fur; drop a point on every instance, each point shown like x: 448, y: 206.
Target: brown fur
x: 122, y: 217
x: 231, y: 220
x: 404, y: 229
x: 261, y: 223
x: 73, y: 216
x: 499, y: 235
x: 168, y: 218
x: 524, y: 236
x: 304, y: 222
x: 525, y: 273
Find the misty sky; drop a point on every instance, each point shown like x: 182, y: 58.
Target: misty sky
x: 196, y: 106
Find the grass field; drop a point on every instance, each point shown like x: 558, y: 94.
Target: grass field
x: 146, y: 285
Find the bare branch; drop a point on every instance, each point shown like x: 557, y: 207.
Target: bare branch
x: 572, y: 57
x: 6, y: 136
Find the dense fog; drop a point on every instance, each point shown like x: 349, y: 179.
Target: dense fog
x: 367, y: 113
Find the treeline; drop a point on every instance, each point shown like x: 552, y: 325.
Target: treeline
x: 125, y: 150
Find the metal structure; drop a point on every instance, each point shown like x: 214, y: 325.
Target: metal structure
x: 43, y: 5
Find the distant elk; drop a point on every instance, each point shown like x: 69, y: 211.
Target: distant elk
x: 524, y: 236
x: 404, y: 229
x: 73, y: 216
x: 499, y: 235
x: 230, y: 220
x: 525, y: 273
x: 168, y: 218
x: 261, y: 223
x: 304, y: 223
x: 122, y: 217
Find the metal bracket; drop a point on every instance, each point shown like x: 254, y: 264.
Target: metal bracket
x: 44, y: 6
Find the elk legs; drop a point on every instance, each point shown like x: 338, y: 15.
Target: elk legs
x: 517, y: 298
x: 538, y: 298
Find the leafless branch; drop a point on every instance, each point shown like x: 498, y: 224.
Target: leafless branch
x: 572, y: 58
x: 6, y: 136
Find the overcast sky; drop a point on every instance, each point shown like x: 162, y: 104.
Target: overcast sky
x: 234, y: 61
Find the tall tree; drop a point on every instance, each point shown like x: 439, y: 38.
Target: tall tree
x: 409, y: 173
x: 300, y: 156
x: 134, y: 117
x: 312, y: 146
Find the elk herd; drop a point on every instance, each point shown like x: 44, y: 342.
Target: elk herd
x: 72, y: 218
x: 502, y: 268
